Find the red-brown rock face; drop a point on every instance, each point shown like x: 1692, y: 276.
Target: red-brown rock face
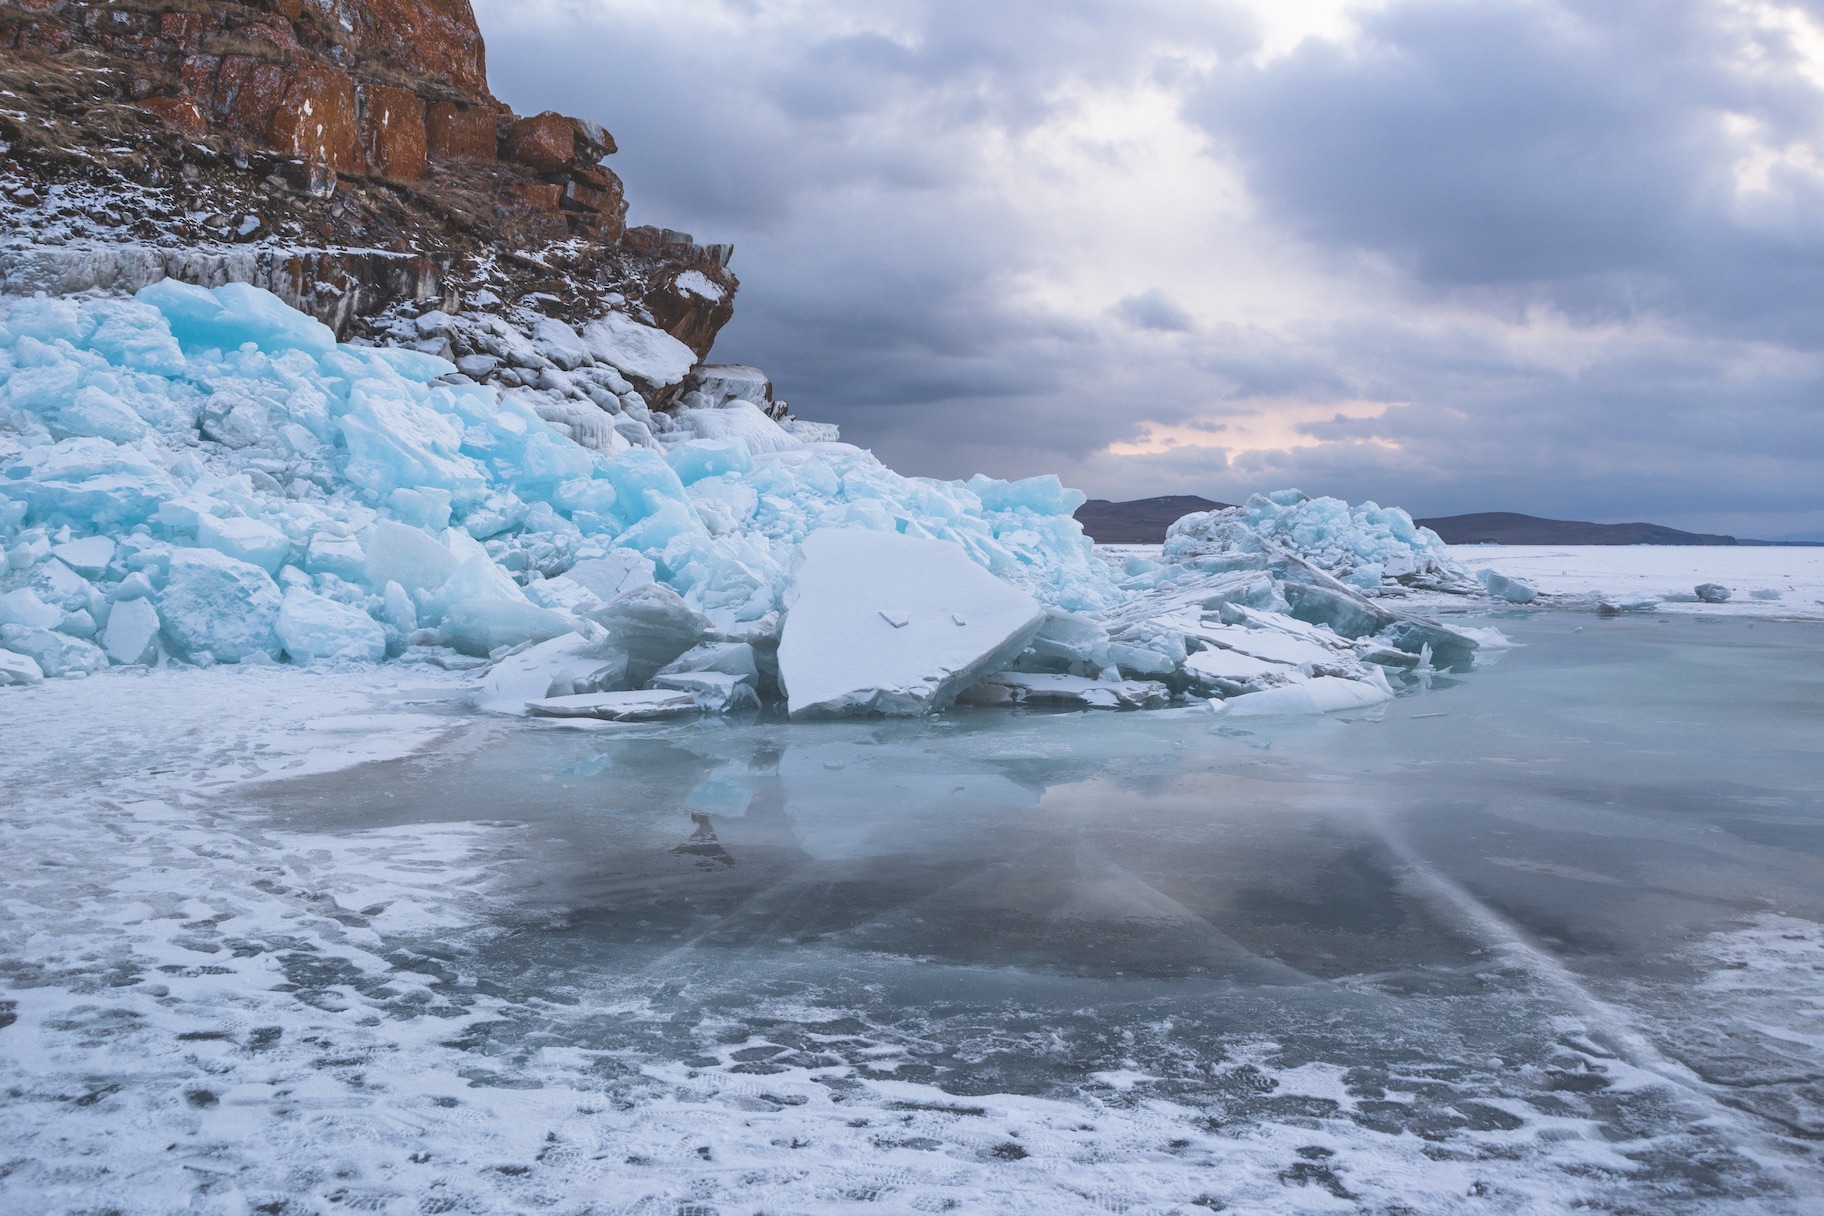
x: 316, y: 119
x: 544, y: 144
x: 381, y: 87
x: 454, y: 132
x: 435, y: 40
x: 392, y: 132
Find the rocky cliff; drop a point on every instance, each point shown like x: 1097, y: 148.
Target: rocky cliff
x: 346, y: 154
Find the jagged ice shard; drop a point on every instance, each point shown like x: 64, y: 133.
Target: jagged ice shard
x: 208, y: 476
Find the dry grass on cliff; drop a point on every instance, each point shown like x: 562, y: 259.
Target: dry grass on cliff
x: 61, y: 110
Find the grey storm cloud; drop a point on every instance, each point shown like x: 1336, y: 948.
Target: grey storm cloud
x: 1154, y: 309
x: 1521, y: 224
x: 1573, y: 150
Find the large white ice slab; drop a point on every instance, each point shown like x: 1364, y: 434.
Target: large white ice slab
x: 883, y: 623
x: 639, y: 351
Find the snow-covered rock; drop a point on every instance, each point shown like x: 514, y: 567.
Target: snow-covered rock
x: 559, y: 343
x: 740, y: 421
x: 878, y: 622
x: 641, y: 352
x: 721, y: 383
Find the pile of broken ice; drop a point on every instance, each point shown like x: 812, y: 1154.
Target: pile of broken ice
x: 204, y: 477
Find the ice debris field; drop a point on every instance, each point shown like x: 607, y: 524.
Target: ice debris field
x: 206, y: 476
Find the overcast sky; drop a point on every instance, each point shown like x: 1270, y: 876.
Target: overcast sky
x: 1564, y: 258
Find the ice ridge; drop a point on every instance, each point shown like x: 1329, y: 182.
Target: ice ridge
x: 205, y: 476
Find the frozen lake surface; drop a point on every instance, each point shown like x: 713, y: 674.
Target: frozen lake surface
x: 1547, y: 938
x: 1788, y: 578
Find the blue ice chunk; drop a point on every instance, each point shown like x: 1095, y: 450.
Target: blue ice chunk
x: 247, y: 539
x: 595, y: 498
x: 653, y: 533
x: 396, y: 442
x: 476, y: 579
x: 132, y: 632
x: 102, y: 415
x: 642, y: 482
x: 480, y: 626
x: 219, y: 606
x: 403, y: 555
x: 24, y: 607
x: 88, y: 483
x: 421, y: 506
x: 724, y: 799
x: 530, y: 454
x: 227, y: 316
x: 398, y: 608
x: 56, y: 654
x: 16, y: 669
x: 414, y: 365
x: 312, y: 626
x: 46, y: 383
x: 472, y: 404
x: 47, y: 319
x: 1364, y: 545
x: 129, y: 333
x: 1043, y: 495
x: 700, y: 458
x: 88, y: 556
x: 341, y: 556
x: 613, y: 572
x: 498, y: 513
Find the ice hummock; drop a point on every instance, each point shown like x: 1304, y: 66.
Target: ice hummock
x: 1365, y: 546
x: 207, y: 476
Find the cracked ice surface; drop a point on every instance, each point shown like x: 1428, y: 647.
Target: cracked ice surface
x: 1020, y: 964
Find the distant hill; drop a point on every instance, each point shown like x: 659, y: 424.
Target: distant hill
x: 1508, y: 528
x: 1142, y: 521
